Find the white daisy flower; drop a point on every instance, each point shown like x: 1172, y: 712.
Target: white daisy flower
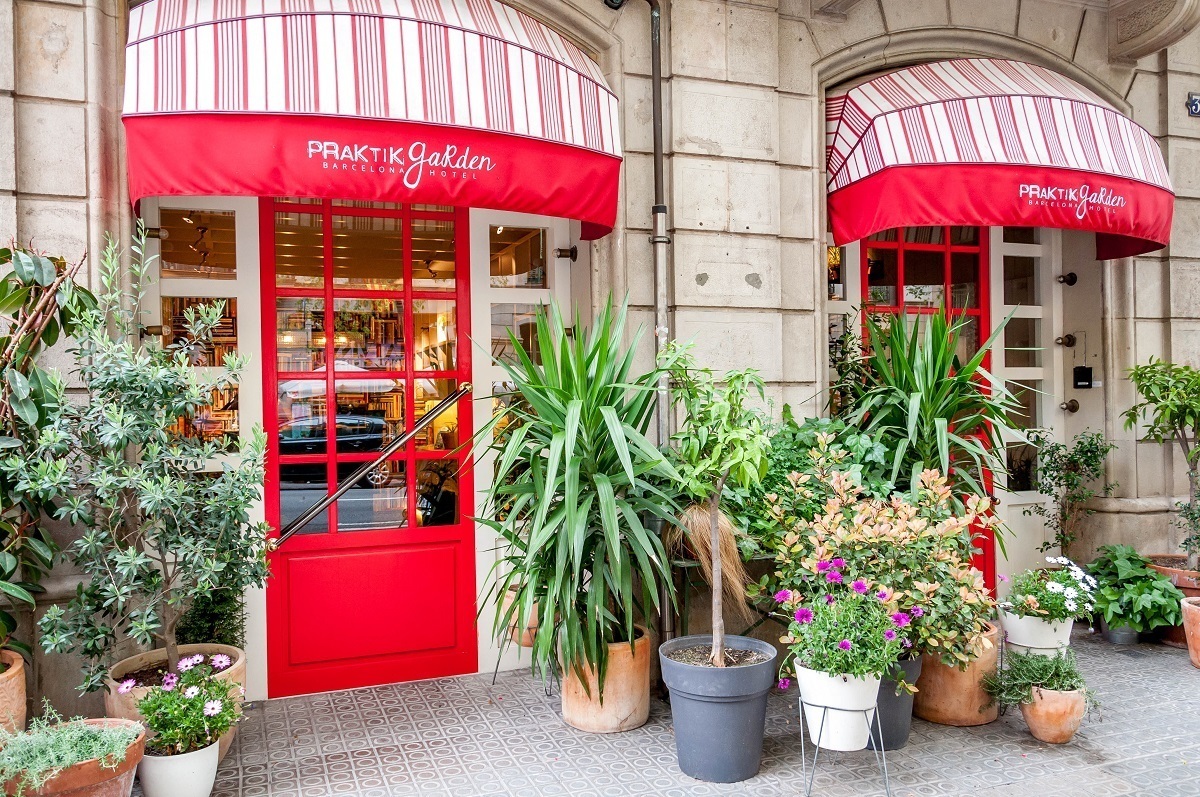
x: 1054, y: 586
x: 1071, y: 592
x: 1051, y: 559
x: 1072, y: 606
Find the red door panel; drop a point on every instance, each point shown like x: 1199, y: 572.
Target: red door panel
x: 366, y: 311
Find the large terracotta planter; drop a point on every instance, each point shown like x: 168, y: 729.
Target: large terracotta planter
x: 1054, y: 717
x: 1191, y: 628
x: 125, y: 705
x: 626, y: 691
x: 12, y: 692
x: 88, y: 778
x: 1188, y: 582
x: 950, y: 696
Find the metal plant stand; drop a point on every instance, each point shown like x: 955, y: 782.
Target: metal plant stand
x: 808, y: 772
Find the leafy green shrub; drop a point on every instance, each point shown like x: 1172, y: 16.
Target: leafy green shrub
x: 217, y: 617
x: 1131, y: 594
x: 190, y: 712
x: 1013, y: 684
x: 51, y: 745
x: 1066, y: 475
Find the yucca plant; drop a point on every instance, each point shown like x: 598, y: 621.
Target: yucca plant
x: 574, y: 484
x: 930, y: 409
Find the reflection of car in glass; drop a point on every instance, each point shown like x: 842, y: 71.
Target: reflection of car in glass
x: 355, y: 434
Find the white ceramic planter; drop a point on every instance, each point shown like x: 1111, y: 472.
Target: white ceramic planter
x: 821, y: 693
x: 1035, y: 635
x: 186, y: 775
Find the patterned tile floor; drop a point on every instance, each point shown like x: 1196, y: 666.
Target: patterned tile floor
x: 464, y: 737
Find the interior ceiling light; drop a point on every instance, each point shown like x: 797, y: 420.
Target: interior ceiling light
x: 188, y: 217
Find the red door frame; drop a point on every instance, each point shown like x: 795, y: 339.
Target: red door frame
x: 985, y: 558
x: 284, y: 678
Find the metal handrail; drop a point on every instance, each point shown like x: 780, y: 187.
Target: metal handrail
x: 391, y: 448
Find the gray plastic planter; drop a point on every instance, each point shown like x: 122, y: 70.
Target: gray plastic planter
x: 1121, y: 635
x: 893, y: 718
x: 719, y: 713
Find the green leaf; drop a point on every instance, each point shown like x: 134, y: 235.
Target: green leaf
x: 17, y: 383
x: 15, y: 592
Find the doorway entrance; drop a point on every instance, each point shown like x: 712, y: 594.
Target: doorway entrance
x: 366, y: 325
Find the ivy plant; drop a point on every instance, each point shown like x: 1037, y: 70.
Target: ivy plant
x: 40, y: 303
x: 160, y: 523
x: 1170, y: 413
x: 1070, y: 476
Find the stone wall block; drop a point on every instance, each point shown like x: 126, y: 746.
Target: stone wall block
x: 50, y: 50
x: 798, y: 124
x: 1149, y: 340
x: 800, y: 344
x: 1184, y: 288
x: 1091, y: 53
x: 8, y: 146
x: 727, y: 339
x: 701, y: 194
x: 915, y: 14
x: 637, y: 108
x: 1184, y: 55
x: 639, y: 189
x: 698, y: 35
x: 724, y: 120
x: 797, y: 54
x: 51, y: 143
x: 1145, y: 98
x: 1185, y: 342
x: 1053, y: 25
x: 718, y: 270
x: 55, y: 226
x: 632, y: 27
x: 863, y: 21
x: 806, y: 400
x: 752, y: 46
x: 1153, y: 470
x: 1184, y: 241
x: 639, y: 267
x: 7, y: 76
x: 797, y: 193
x: 1183, y: 163
x: 1175, y: 95
x: 798, y: 274
x: 754, y: 193
x: 994, y: 15
x: 1150, y: 289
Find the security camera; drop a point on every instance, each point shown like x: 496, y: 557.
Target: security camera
x: 615, y: 5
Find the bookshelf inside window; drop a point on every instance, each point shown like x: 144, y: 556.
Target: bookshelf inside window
x: 224, y: 338
x: 217, y: 422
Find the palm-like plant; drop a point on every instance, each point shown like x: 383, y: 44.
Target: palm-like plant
x: 575, y: 476
x: 930, y: 409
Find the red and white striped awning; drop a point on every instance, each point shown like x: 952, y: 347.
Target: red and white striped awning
x: 990, y: 142
x: 455, y: 102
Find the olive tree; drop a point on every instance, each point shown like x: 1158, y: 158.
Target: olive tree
x: 158, y: 526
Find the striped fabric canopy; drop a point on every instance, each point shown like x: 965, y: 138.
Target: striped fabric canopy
x: 992, y: 142
x: 457, y: 75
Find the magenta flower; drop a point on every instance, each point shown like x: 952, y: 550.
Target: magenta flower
x: 186, y: 664
x: 906, y: 643
x: 838, y: 562
x: 784, y: 683
x: 212, y: 708
x: 126, y: 686
x: 845, y: 644
x: 889, y: 634
x: 783, y: 596
x: 882, y: 595
x: 822, y: 566
x: 901, y: 619
x: 220, y: 661
x: 829, y: 599
x: 804, y: 615
x: 1003, y: 578
x: 859, y: 586
x: 833, y: 577
x: 169, y: 681
x: 917, y: 611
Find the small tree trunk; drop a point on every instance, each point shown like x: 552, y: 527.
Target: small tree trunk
x: 1193, y: 556
x: 170, y: 618
x: 718, y: 604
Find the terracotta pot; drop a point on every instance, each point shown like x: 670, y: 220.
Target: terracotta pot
x: 626, y: 702
x: 1191, y: 627
x: 950, y: 696
x: 125, y: 705
x: 88, y: 778
x: 12, y: 692
x: 522, y: 636
x: 1054, y: 716
x: 1188, y: 582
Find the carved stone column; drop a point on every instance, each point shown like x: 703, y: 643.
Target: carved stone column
x: 1140, y: 27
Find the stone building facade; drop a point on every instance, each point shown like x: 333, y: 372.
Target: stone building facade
x: 744, y: 84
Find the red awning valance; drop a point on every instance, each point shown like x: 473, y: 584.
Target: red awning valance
x: 993, y: 143
x: 460, y: 102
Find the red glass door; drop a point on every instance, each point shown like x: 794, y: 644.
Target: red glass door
x: 366, y: 327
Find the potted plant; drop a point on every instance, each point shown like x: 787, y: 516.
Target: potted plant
x: 575, y: 476
x: 80, y: 758
x: 160, y: 527
x: 1169, y: 412
x: 1042, y: 606
x: 913, y: 551
x: 1067, y: 475
x: 1191, y: 626
x: 718, y: 683
x: 1050, y: 691
x: 186, y: 717
x: 1132, y: 598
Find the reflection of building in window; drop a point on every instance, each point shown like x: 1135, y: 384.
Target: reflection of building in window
x: 197, y: 244
x: 224, y: 336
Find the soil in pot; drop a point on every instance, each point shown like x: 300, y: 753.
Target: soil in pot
x: 151, y: 666
x: 1174, y: 567
x: 950, y: 696
x: 1191, y: 627
x: 893, y: 717
x: 12, y: 691
x: 719, y: 713
x: 89, y: 778
x: 186, y: 775
x: 1054, y: 717
x: 626, y: 703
